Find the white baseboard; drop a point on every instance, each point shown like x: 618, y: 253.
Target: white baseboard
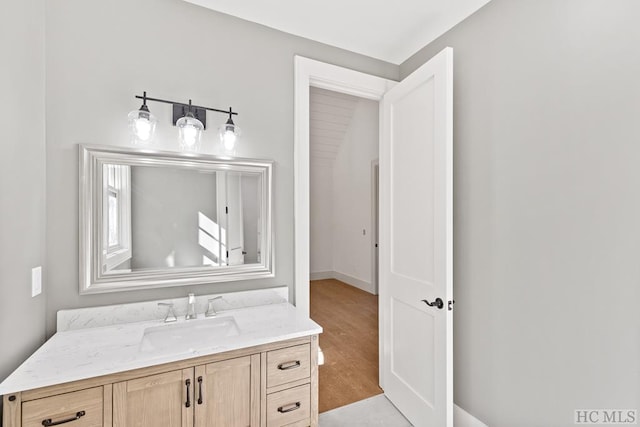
x: 462, y: 418
x: 322, y: 275
x: 349, y: 280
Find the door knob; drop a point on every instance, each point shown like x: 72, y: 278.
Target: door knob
x: 437, y: 303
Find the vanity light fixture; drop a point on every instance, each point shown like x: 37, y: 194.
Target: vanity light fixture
x: 190, y: 119
x: 142, y: 123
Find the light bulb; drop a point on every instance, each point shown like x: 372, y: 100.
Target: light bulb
x: 190, y: 132
x: 142, y: 125
x: 229, y: 140
x: 143, y: 129
x: 229, y: 134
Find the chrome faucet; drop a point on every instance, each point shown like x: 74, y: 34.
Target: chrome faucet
x: 171, y: 315
x: 191, y: 308
x: 211, y: 311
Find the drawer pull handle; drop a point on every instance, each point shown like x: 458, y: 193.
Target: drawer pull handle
x: 292, y: 408
x: 188, y: 384
x: 48, y: 422
x: 289, y: 365
x: 200, y: 391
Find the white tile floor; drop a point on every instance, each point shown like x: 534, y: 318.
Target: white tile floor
x: 375, y: 411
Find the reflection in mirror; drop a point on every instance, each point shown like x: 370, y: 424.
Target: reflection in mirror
x: 164, y: 219
x: 116, y: 203
x: 179, y: 218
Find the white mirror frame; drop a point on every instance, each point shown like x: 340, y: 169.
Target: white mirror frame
x: 90, y: 220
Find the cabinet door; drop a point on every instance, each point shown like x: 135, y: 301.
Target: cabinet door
x: 228, y: 393
x: 158, y: 400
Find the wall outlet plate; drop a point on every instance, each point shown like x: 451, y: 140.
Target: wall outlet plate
x: 36, y: 281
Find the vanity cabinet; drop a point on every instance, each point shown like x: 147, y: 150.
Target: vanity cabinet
x: 223, y: 393
x: 288, y: 396
x: 270, y: 385
x: 154, y: 400
x: 228, y: 393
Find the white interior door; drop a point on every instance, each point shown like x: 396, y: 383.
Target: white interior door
x: 416, y: 243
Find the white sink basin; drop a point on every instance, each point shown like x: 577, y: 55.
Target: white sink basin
x: 189, y: 335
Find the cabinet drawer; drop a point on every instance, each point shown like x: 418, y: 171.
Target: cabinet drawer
x: 81, y: 408
x: 289, y: 406
x: 288, y: 364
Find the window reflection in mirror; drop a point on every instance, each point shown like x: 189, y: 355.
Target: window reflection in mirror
x: 117, y: 205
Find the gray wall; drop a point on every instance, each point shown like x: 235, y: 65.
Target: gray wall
x: 165, y: 207
x: 99, y: 54
x: 547, y: 208
x: 22, y: 174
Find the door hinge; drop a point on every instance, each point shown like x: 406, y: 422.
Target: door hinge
x: 227, y: 254
x: 226, y: 209
x: 451, y: 302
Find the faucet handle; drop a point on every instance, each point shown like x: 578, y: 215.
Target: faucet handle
x: 211, y: 311
x: 171, y: 315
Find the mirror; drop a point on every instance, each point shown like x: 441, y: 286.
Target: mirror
x: 153, y: 219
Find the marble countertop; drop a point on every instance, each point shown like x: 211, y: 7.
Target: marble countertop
x: 86, y: 353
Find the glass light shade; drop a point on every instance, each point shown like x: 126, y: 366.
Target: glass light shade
x: 142, y: 125
x: 229, y: 134
x: 190, y: 131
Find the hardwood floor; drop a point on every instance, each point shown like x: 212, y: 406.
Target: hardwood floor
x: 349, y: 342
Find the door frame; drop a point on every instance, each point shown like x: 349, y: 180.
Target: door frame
x: 311, y: 73
x: 375, y: 224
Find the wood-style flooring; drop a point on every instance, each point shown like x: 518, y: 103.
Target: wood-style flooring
x: 349, y: 317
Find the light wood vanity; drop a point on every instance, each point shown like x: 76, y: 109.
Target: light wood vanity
x: 260, y: 371
x: 269, y: 385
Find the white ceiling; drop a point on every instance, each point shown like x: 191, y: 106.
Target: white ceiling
x: 330, y: 115
x: 383, y: 29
